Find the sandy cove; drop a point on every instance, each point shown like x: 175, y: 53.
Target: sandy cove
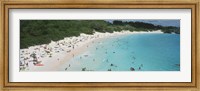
x: 56, y: 53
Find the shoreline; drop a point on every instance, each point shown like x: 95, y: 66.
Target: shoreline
x: 56, y: 53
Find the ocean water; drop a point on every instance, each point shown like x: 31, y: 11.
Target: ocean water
x: 138, y: 52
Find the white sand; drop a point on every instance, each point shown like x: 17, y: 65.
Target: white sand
x: 54, y: 54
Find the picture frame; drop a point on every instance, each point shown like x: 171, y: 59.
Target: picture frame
x: 157, y: 86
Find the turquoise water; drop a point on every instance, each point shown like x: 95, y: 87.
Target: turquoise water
x: 141, y: 52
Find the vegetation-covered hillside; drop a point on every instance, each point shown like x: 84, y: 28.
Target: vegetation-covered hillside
x: 35, y: 32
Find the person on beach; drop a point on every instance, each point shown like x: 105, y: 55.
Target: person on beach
x: 35, y: 61
x: 27, y: 64
x: 21, y: 63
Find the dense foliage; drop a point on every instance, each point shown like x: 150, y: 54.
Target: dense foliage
x: 35, y: 32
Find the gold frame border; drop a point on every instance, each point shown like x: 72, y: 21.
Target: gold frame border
x: 194, y: 6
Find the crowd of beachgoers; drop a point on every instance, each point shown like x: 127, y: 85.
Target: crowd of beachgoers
x: 49, y: 56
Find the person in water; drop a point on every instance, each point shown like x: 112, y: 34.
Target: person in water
x: 107, y: 60
x: 132, y: 69
x: 139, y: 68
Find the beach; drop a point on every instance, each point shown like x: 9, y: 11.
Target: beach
x: 51, y: 56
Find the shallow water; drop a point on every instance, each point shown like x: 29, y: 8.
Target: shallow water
x: 143, y: 52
